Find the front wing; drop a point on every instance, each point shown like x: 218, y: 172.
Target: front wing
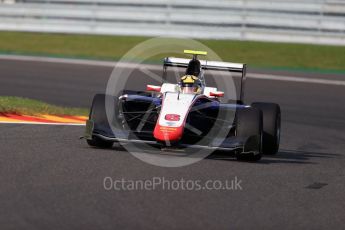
x: 227, y: 144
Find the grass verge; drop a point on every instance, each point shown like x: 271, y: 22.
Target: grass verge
x: 256, y: 54
x: 25, y: 106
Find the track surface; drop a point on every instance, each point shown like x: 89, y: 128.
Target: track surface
x: 52, y: 180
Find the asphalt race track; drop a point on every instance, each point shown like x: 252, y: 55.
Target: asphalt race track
x: 52, y: 180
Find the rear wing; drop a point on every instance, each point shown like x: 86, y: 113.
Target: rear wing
x: 210, y: 65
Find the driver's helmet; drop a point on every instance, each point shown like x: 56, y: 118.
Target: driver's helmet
x: 190, y: 84
x: 193, y: 68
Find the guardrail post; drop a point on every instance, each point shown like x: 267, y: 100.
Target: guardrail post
x: 321, y: 14
x: 244, y: 19
x: 168, y: 14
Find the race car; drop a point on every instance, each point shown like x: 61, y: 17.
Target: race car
x: 187, y: 114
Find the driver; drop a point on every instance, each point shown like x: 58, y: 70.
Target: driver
x: 190, y: 84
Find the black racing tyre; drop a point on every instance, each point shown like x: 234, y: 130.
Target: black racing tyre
x: 249, y: 130
x: 98, y: 112
x: 99, y: 143
x: 99, y: 117
x: 271, y: 126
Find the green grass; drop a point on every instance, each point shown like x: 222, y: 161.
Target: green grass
x: 255, y: 54
x: 25, y: 106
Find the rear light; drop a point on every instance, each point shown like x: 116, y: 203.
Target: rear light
x: 172, y: 117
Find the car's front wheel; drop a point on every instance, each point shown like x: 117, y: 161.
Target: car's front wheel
x: 98, y: 120
x: 99, y: 143
x: 249, y: 131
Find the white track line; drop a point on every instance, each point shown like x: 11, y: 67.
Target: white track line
x: 157, y: 67
x: 40, y: 123
x: 296, y: 79
x: 57, y: 60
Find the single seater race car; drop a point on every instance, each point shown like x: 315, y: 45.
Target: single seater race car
x: 187, y: 114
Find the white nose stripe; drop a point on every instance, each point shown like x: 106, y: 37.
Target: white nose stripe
x: 175, y: 104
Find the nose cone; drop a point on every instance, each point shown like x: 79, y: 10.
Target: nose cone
x: 167, y: 134
x: 172, y: 117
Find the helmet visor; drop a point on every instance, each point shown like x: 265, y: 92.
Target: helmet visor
x: 188, y: 89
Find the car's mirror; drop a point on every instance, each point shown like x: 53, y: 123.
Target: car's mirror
x: 153, y: 88
x: 217, y: 94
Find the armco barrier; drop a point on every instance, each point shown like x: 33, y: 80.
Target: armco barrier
x: 301, y: 21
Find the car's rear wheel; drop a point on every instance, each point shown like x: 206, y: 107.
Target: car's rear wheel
x: 271, y: 126
x: 249, y: 131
